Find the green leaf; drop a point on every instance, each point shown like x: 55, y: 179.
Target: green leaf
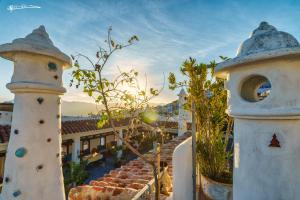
x: 112, y: 43
x: 102, y: 121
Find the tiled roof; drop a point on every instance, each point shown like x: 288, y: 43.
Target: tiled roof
x: 69, y: 127
x: 125, y: 182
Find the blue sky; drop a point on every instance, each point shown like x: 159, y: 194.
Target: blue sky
x: 169, y: 30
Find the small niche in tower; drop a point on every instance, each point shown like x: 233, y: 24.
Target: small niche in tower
x: 16, y: 131
x: 7, y: 180
x: 274, y: 142
x: 39, y: 167
x: 52, y: 66
x: 40, y: 100
x: 41, y: 121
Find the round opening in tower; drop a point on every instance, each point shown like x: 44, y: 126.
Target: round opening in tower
x: 255, y: 88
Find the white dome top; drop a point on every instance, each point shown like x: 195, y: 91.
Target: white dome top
x: 37, y: 42
x: 182, y: 92
x: 265, y: 42
x: 266, y: 37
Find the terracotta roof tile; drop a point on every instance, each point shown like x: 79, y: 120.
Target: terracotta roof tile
x: 127, y: 180
x: 88, y: 192
x: 69, y: 127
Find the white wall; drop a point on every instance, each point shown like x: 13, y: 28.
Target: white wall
x: 262, y: 172
x: 94, y: 143
x: 182, y: 171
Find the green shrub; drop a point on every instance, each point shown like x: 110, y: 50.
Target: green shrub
x: 74, y: 174
x: 207, y: 98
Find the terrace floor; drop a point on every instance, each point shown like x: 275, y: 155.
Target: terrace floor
x: 98, y: 169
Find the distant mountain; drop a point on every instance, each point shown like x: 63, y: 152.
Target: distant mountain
x: 76, y: 108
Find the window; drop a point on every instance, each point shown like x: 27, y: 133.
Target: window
x: 86, y: 147
x: 102, y: 141
x: 102, y: 144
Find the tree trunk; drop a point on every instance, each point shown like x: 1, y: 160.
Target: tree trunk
x: 156, y: 183
x: 156, y: 171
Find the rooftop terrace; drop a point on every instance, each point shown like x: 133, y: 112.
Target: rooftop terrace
x: 127, y: 181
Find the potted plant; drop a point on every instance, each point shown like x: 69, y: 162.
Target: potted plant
x: 208, y: 98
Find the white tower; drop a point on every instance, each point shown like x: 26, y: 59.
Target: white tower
x: 33, y: 163
x: 266, y: 129
x: 183, y: 114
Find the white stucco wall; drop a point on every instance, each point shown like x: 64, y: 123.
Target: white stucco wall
x: 109, y: 139
x: 182, y: 171
x: 94, y: 143
x: 262, y: 172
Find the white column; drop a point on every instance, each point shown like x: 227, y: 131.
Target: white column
x: 33, y: 162
x: 120, y: 143
x: 76, y: 150
x: 182, y: 113
x: 182, y: 171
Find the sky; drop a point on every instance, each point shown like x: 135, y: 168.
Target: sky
x: 170, y: 31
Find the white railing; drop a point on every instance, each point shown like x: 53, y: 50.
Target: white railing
x: 147, y: 193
